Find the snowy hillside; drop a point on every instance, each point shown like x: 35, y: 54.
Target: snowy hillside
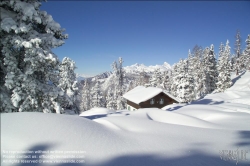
x: 212, y: 131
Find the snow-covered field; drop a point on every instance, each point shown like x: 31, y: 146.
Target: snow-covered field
x: 212, y: 131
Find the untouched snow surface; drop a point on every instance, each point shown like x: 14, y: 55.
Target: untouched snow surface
x: 212, y: 131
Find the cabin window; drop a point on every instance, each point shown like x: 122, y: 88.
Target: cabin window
x: 129, y: 108
x: 152, y: 101
x: 161, y: 101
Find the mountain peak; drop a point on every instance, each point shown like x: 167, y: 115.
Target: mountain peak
x: 166, y: 64
x: 137, y: 68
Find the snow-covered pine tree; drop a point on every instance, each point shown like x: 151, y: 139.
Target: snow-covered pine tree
x: 170, y: 81
x: 238, y: 44
x: 5, y: 100
x: 204, y: 83
x: 121, y: 75
x: 197, y: 70
x: 97, y: 96
x: 142, y: 78
x: 237, y: 59
x: 131, y: 85
x: 110, y: 98
x: 246, y: 54
x: 190, y: 62
x: 209, y: 64
x: 166, y: 84
x: 184, y: 83
x: 85, y: 98
x: 119, y: 81
x: 224, y: 78
x: 156, y: 78
x: 120, y: 103
x: 79, y: 97
x: 68, y: 83
x: 175, y: 78
x: 220, y: 56
x: 28, y: 66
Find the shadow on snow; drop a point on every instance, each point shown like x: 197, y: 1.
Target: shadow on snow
x: 201, y: 101
x: 237, y: 78
x: 193, y: 157
x: 196, y: 158
x: 44, y: 147
x: 92, y: 117
x: 207, y: 102
x: 244, y: 139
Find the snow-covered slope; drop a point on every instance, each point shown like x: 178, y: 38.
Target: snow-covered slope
x: 202, y: 133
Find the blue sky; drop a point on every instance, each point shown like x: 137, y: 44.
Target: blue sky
x: 148, y: 32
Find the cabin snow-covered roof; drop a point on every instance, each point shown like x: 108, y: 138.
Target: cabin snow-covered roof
x: 140, y: 94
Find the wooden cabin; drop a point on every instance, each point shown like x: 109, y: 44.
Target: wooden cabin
x: 148, y: 97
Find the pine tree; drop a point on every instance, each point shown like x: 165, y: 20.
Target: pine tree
x: 220, y: 56
x: 28, y: 68
x: 97, y: 96
x: 110, y: 98
x: 142, y: 78
x: 68, y: 83
x: 197, y: 71
x: 210, y: 76
x: 121, y: 75
x: 120, y: 103
x: 238, y: 44
x: 170, y: 82
x: 247, y: 54
x: 175, y: 79
x: 156, y: 79
x: 238, y: 64
x: 131, y: 85
x: 190, y: 62
x: 166, y: 84
x: 224, y: 78
x: 184, y: 83
x: 119, y: 81
x: 85, y: 98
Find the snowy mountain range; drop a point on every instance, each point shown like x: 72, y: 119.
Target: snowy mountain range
x: 137, y: 68
x: 99, y: 76
x: 133, y: 69
x: 80, y: 77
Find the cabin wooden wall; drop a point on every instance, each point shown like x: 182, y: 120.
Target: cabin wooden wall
x: 167, y: 101
x: 146, y: 104
x: 133, y: 104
